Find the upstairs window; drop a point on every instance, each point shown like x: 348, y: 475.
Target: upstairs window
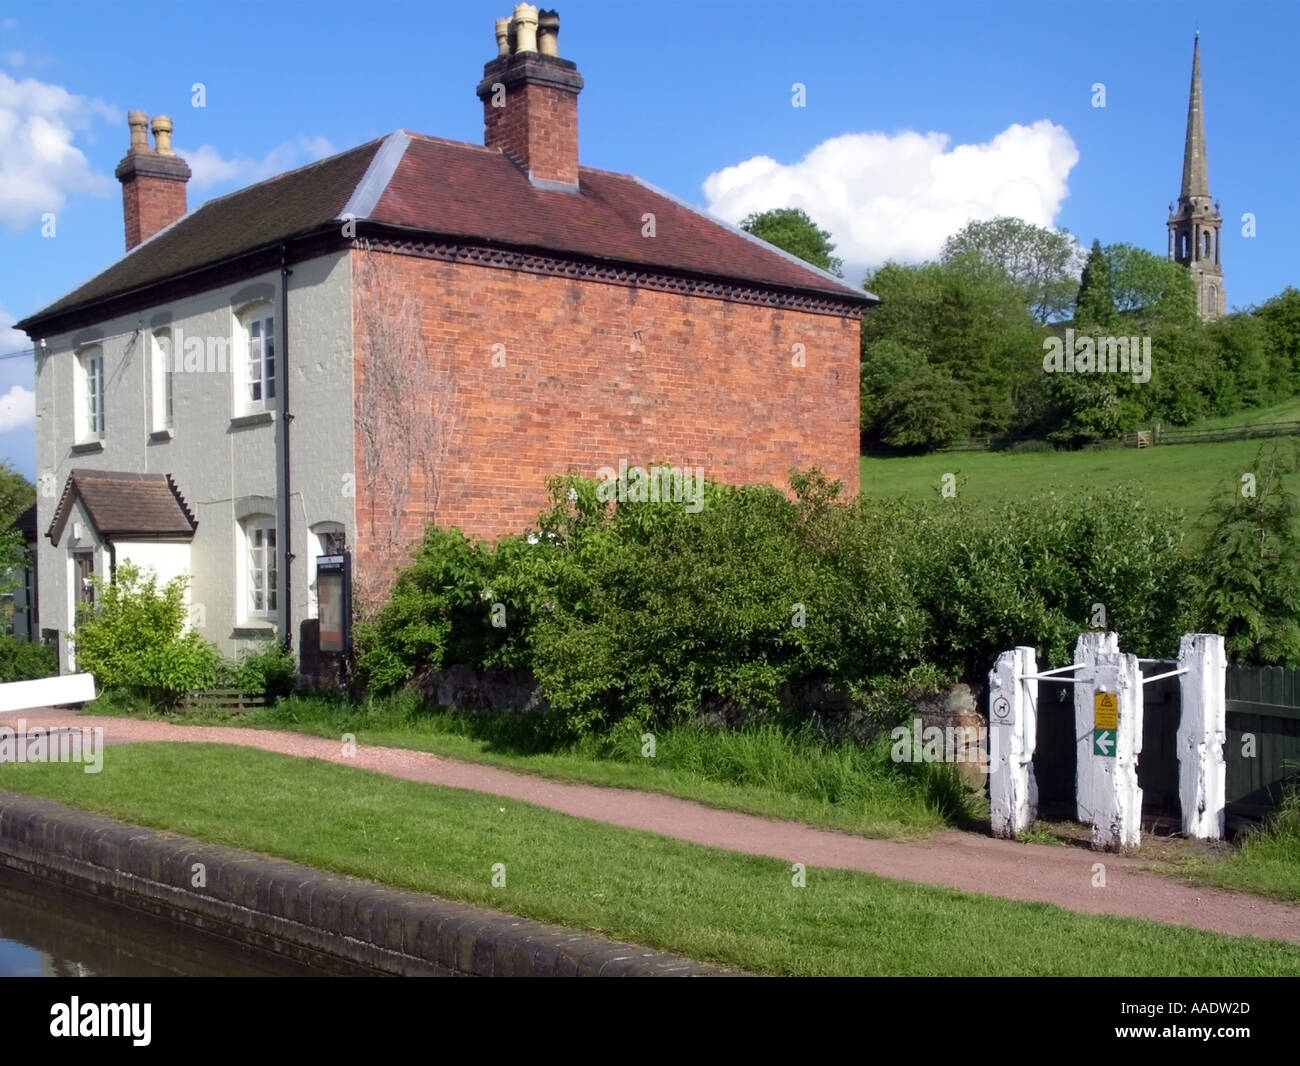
x: 89, y: 406
x: 256, y: 367
x: 162, y: 377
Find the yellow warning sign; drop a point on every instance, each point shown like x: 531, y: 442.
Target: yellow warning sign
x: 1105, y: 707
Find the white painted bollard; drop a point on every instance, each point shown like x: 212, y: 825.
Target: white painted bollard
x: 1013, y: 734
x: 1202, y: 732
x: 1108, y: 731
x: 46, y: 692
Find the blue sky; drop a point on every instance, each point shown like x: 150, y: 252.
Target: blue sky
x: 918, y: 115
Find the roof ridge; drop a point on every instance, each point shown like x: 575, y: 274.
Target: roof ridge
x: 374, y: 182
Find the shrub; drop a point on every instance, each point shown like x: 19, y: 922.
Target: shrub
x: 270, y: 669
x: 655, y: 615
x: 25, y: 660
x: 135, y: 639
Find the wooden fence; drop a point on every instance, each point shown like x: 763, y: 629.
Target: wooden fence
x: 1143, y: 438
x: 230, y: 700
x: 1263, y: 748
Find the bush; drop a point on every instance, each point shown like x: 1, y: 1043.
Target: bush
x: 25, y: 660
x: 655, y: 615
x: 135, y: 639
x: 270, y: 669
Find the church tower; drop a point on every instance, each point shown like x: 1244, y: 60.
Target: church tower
x: 1194, y: 224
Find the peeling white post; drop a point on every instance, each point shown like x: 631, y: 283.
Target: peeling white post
x: 1202, y: 731
x: 1013, y: 734
x: 1108, y: 728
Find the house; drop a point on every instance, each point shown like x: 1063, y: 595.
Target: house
x: 416, y: 330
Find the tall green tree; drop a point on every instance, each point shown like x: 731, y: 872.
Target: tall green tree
x: 791, y: 229
x: 1148, y: 288
x: 964, y: 317
x: 16, y: 494
x: 1095, y: 304
x: 1042, y: 263
x: 1250, y: 566
x: 1280, y: 318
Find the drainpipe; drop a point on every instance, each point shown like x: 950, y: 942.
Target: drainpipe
x: 286, y: 589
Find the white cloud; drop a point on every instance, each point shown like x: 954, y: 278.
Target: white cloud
x: 17, y: 409
x: 15, y: 58
x: 211, y: 168
x: 899, y: 196
x: 40, y: 166
x: 8, y: 24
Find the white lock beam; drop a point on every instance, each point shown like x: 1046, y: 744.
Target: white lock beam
x: 1013, y: 734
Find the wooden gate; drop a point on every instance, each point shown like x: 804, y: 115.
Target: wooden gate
x: 1056, y: 751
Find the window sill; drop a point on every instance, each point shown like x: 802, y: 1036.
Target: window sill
x: 162, y: 434
x: 85, y: 447
x: 258, y: 418
x: 253, y: 629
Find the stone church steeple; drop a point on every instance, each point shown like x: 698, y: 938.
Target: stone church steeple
x: 1195, y: 223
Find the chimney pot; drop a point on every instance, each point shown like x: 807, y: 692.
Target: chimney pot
x: 525, y: 27
x: 503, y: 37
x: 548, y: 32
x: 162, y: 135
x: 138, y: 122
x: 153, y: 180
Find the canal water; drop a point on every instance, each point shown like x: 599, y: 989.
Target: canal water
x: 48, y: 932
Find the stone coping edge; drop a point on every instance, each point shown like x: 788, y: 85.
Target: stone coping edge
x: 309, y: 915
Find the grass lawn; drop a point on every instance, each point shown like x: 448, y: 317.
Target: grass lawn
x: 708, y: 904
x: 765, y: 772
x: 1266, y: 862
x: 1188, y: 476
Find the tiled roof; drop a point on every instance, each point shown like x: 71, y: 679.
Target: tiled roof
x: 124, y: 505
x: 262, y: 214
x: 460, y: 191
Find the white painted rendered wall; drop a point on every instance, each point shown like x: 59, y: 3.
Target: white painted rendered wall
x: 215, y: 464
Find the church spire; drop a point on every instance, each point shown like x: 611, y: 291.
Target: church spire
x: 1195, y: 223
x: 1196, y: 178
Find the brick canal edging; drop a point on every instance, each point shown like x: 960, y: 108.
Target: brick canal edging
x: 308, y: 915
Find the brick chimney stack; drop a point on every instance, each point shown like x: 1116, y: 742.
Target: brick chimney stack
x: 153, y: 180
x: 530, y: 98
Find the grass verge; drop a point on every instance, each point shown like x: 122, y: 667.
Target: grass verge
x: 1266, y: 860
x: 764, y: 770
x: 712, y: 905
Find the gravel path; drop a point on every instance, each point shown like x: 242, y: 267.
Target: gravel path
x: 1042, y: 873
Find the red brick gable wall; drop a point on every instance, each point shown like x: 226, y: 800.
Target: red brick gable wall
x: 593, y: 373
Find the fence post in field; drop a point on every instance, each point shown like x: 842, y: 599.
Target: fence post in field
x: 1013, y: 733
x: 1108, y: 728
x: 1202, y: 731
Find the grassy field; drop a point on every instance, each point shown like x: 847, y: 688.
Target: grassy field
x: 1188, y: 476
x: 708, y: 904
x: 765, y: 771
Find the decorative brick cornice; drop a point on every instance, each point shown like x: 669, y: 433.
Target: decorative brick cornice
x: 576, y: 269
